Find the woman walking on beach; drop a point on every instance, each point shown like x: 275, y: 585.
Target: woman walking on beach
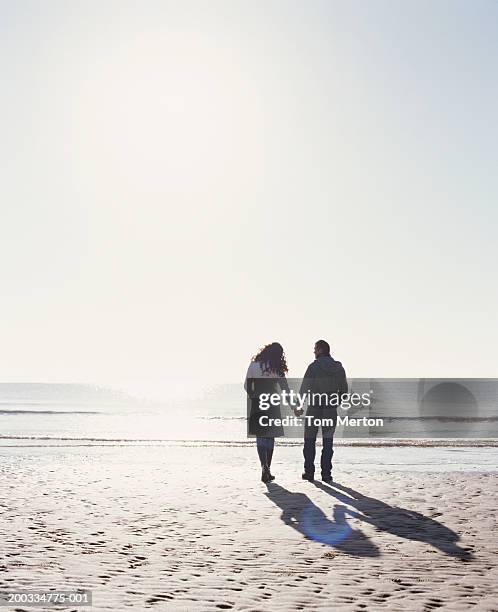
x: 265, y: 374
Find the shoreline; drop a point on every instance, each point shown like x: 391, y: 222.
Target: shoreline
x: 282, y: 441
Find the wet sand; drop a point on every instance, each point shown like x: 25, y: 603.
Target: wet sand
x: 179, y: 528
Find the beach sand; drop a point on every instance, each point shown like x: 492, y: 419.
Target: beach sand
x: 182, y: 528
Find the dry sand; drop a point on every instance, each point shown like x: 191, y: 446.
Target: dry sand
x: 194, y: 529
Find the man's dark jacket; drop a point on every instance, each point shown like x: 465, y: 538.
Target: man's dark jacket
x: 324, y: 375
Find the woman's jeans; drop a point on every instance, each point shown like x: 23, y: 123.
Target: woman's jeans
x: 265, y: 450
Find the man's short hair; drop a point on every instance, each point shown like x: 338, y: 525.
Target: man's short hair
x: 323, y: 346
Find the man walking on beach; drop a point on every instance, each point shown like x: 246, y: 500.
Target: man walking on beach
x: 325, y: 381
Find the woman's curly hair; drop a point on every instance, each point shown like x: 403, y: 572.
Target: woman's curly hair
x: 272, y: 359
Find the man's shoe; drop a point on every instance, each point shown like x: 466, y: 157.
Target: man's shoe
x: 307, y: 476
x: 327, y: 479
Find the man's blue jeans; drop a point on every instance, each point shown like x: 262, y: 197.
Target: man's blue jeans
x: 309, y: 450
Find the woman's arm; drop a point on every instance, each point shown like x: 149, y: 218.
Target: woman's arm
x: 253, y: 371
x: 284, y: 385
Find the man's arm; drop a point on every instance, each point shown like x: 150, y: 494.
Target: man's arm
x: 343, y: 385
x: 307, y: 380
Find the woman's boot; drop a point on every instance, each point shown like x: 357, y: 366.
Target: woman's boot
x: 269, y: 455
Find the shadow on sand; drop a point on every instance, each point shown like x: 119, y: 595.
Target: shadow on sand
x: 400, y: 522
x: 300, y: 513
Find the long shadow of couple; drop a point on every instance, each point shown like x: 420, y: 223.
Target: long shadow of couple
x: 300, y: 513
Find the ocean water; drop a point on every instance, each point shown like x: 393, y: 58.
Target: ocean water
x: 63, y: 413
x: 55, y: 413
x: 44, y: 421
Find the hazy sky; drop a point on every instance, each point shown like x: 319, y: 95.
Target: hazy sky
x: 182, y: 182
